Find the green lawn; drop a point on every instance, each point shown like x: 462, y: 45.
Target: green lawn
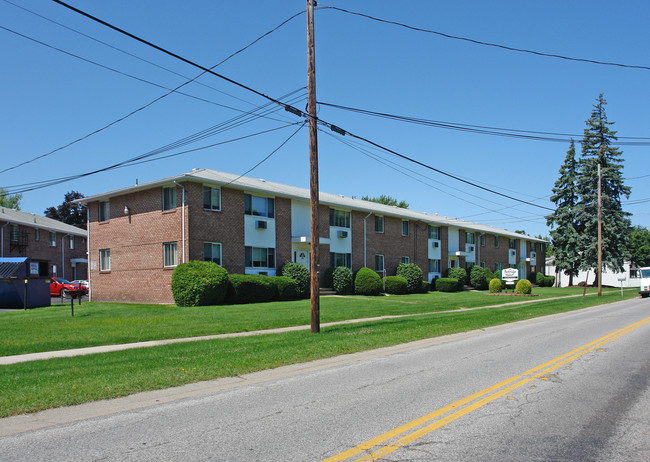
x: 53, y: 328
x: 32, y: 386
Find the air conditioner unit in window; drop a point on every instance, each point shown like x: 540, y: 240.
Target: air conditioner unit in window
x: 533, y: 255
x: 342, y: 234
x: 513, y: 253
x: 435, y: 244
x: 471, y: 248
x: 263, y: 273
x: 260, y: 224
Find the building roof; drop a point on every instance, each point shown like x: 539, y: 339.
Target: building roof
x: 38, y: 221
x: 264, y: 187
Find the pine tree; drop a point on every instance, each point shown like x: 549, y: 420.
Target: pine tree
x: 564, y: 235
x: 597, y: 149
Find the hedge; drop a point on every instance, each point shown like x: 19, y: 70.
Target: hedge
x: 396, y: 285
x: 539, y: 279
x: 300, y: 274
x: 413, y: 275
x: 367, y: 282
x: 342, y: 281
x: 199, y: 283
x: 549, y: 281
x: 523, y: 287
x: 250, y: 288
x: 447, y: 284
x: 287, y: 288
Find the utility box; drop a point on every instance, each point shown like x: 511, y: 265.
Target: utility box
x: 20, y: 284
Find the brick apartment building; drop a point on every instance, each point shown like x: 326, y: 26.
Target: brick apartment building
x: 137, y: 235
x: 58, y: 248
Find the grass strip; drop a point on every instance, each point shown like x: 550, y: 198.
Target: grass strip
x: 53, y: 328
x: 38, y: 385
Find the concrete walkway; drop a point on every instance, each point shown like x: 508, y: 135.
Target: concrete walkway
x: 14, y: 359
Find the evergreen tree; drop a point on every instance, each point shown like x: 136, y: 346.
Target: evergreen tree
x: 597, y: 149
x: 564, y: 235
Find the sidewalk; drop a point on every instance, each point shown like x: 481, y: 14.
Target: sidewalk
x: 14, y: 359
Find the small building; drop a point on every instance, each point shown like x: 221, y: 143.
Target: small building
x: 629, y: 277
x: 139, y: 234
x: 57, y: 248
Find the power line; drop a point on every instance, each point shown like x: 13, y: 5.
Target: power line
x: 483, y: 43
x: 482, y: 129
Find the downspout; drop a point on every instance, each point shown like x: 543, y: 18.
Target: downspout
x: 478, y: 248
x: 364, y: 239
x: 182, y: 218
x: 63, y: 255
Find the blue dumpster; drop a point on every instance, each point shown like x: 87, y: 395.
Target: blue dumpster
x: 20, y: 287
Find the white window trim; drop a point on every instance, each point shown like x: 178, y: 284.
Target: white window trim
x: 104, y: 257
x: 167, y: 245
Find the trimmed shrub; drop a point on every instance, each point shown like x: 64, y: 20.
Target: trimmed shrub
x: 549, y: 281
x: 539, y: 279
x: 396, y: 285
x: 413, y: 275
x: 367, y: 282
x: 447, y: 284
x: 489, y: 275
x: 328, y: 280
x: 300, y: 274
x: 250, y: 288
x: 199, y: 283
x: 477, y: 278
x: 460, y: 274
x: 342, y: 281
x: 287, y: 288
x: 426, y: 287
x: 523, y: 287
x: 495, y: 286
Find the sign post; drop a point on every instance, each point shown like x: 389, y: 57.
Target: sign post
x: 622, y: 279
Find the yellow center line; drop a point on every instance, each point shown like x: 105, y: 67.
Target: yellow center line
x: 493, y: 392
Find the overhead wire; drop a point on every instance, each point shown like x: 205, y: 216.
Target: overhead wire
x: 484, y: 43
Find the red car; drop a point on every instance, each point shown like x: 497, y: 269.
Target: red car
x: 60, y: 286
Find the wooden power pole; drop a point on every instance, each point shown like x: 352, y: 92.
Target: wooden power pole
x: 600, y: 236
x: 313, y: 169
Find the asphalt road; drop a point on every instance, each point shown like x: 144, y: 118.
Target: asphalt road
x: 567, y: 387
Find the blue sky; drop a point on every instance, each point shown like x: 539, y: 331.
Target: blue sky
x: 50, y: 99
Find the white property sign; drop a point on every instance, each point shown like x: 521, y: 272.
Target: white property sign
x: 509, y: 275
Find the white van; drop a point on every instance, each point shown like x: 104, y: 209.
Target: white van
x: 645, y: 282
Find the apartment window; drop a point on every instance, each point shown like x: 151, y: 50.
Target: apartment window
x: 470, y: 238
x: 339, y: 218
x: 170, y: 255
x: 482, y: 240
x: 497, y: 267
x: 406, y: 260
x: 169, y: 198
x: 211, y: 198
x: 259, y: 206
x: 496, y: 242
x: 482, y: 264
x: 434, y: 266
x: 212, y: 252
x: 405, y: 228
x: 105, y: 260
x: 341, y: 259
x: 434, y: 232
x: 52, y: 239
x: 512, y: 244
x: 533, y: 247
x: 379, y: 224
x: 55, y: 270
x: 14, y: 233
x: 379, y: 263
x: 260, y: 257
x: 37, y: 234
x: 104, y: 210
x: 71, y: 243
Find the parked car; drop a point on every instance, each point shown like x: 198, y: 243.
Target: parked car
x: 60, y: 286
x: 83, y: 282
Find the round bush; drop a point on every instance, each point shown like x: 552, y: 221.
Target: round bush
x: 539, y: 279
x: 287, y: 288
x: 300, y: 274
x: 396, y: 285
x: 458, y: 273
x: 477, y: 278
x: 413, y: 275
x: 367, y: 282
x: 446, y: 284
x: 489, y: 275
x: 199, y: 283
x: 523, y: 287
x: 495, y: 286
x: 549, y: 281
x: 342, y: 281
x: 250, y: 288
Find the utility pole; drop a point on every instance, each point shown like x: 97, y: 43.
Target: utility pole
x: 600, y: 236
x: 313, y: 168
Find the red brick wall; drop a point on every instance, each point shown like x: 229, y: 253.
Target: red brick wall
x: 393, y: 245
x: 282, y: 231
x: 40, y: 250
x: 491, y: 255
